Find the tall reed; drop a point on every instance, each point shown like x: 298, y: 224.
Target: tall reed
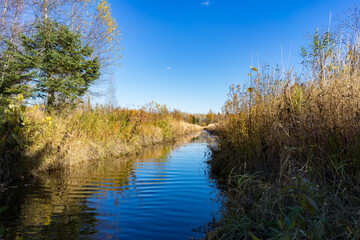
x: 291, y: 149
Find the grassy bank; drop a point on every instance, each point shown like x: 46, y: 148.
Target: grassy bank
x: 289, y: 151
x: 34, y: 141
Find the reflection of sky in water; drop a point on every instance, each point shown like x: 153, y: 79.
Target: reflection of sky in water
x: 160, y: 196
x: 164, y: 200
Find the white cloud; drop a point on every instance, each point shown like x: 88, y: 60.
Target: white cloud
x: 206, y: 3
x: 168, y: 68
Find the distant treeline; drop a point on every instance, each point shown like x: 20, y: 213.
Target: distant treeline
x: 197, y: 118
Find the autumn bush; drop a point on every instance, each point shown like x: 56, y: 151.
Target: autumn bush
x: 289, y: 149
x: 56, y: 140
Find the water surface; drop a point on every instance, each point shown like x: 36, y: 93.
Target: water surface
x: 165, y: 193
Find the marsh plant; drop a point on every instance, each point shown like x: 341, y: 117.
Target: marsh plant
x: 289, y: 148
x: 34, y: 140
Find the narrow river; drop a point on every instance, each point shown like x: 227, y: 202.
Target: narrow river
x: 165, y: 193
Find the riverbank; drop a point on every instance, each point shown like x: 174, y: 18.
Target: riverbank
x: 288, y: 155
x: 35, y: 141
x: 166, y: 182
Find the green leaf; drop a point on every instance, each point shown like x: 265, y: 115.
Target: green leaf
x: 309, y: 204
x: 313, y: 203
x: 294, y: 212
x: 288, y: 222
x: 3, y: 208
x: 253, y: 236
x: 17, y: 139
x: 23, y: 108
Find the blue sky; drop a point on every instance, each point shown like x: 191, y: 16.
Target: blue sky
x: 186, y: 53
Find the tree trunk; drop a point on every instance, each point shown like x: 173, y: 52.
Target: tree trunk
x: 51, y: 98
x: 3, y: 17
x: 45, y: 6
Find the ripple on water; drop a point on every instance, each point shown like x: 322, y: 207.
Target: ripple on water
x: 164, y: 196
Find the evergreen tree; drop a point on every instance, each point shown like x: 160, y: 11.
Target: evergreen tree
x: 60, y: 68
x: 15, y: 74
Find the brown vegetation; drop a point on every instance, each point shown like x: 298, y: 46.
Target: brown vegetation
x: 289, y: 149
x: 61, y: 140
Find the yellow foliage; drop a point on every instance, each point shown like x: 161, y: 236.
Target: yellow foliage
x: 85, y: 134
x: 253, y: 68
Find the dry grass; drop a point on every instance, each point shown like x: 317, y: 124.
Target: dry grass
x: 212, y: 127
x: 291, y: 150
x: 63, y: 140
x: 181, y: 127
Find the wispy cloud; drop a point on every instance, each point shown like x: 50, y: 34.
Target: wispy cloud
x: 168, y: 68
x: 206, y: 3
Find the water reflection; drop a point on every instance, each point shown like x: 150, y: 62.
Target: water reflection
x: 161, y: 194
